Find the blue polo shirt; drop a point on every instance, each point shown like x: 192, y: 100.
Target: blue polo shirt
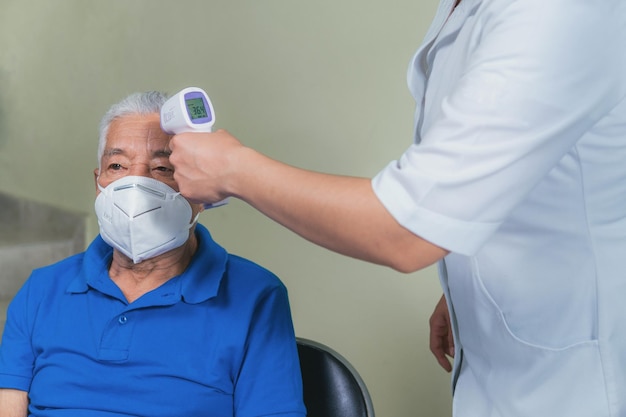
x: 216, y: 341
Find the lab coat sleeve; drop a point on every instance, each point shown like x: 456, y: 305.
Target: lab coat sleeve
x: 534, y: 77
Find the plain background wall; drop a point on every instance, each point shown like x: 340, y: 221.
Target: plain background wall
x: 320, y: 85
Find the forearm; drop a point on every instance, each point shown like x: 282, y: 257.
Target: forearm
x: 13, y: 403
x: 337, y: 212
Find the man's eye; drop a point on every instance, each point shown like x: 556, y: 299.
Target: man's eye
x: 115, y: 167
x: 164, y: 169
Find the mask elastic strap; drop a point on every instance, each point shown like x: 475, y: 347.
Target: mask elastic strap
x: 101, y: 188
x: 194, y: 221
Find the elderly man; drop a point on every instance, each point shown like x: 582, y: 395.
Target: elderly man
x: 154, y: 318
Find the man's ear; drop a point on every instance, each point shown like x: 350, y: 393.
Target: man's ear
x: 96, y: 173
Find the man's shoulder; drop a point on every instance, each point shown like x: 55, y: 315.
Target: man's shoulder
x: 67, y: 267
x: 249, y: 272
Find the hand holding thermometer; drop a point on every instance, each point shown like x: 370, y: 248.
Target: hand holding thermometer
x: 190, y: 110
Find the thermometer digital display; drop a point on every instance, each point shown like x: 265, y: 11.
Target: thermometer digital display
x: 189, y: 110
x: 196, y: 108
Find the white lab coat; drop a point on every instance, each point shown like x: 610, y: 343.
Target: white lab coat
x: 519, y: 169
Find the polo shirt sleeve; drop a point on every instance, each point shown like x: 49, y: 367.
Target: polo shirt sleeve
x: 16, y: 355
x: 535, y: 77
x: 269, y: 381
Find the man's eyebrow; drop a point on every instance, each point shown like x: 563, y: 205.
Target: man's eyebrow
x: 162, y: 153
x: 112, y: 151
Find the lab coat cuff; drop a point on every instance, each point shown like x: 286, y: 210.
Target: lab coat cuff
x: 457, y: 236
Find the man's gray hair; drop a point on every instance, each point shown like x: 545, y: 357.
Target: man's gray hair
x: 136, y: 103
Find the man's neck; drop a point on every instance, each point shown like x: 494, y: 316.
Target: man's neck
x: 135, y: 280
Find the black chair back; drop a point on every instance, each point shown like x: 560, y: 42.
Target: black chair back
x: 332, y: 387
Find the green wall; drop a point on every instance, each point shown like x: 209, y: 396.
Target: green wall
x: 319, y: 85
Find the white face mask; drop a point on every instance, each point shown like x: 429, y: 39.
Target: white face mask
x: 143, y: 217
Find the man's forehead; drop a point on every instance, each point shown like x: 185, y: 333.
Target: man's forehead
x: 137, y: 125
x: 137, y: 132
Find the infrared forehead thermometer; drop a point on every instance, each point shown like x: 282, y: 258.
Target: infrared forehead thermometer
x: 189, y: 110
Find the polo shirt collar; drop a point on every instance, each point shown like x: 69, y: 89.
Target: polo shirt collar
x: 202, y: 278
x: 198, y: 283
